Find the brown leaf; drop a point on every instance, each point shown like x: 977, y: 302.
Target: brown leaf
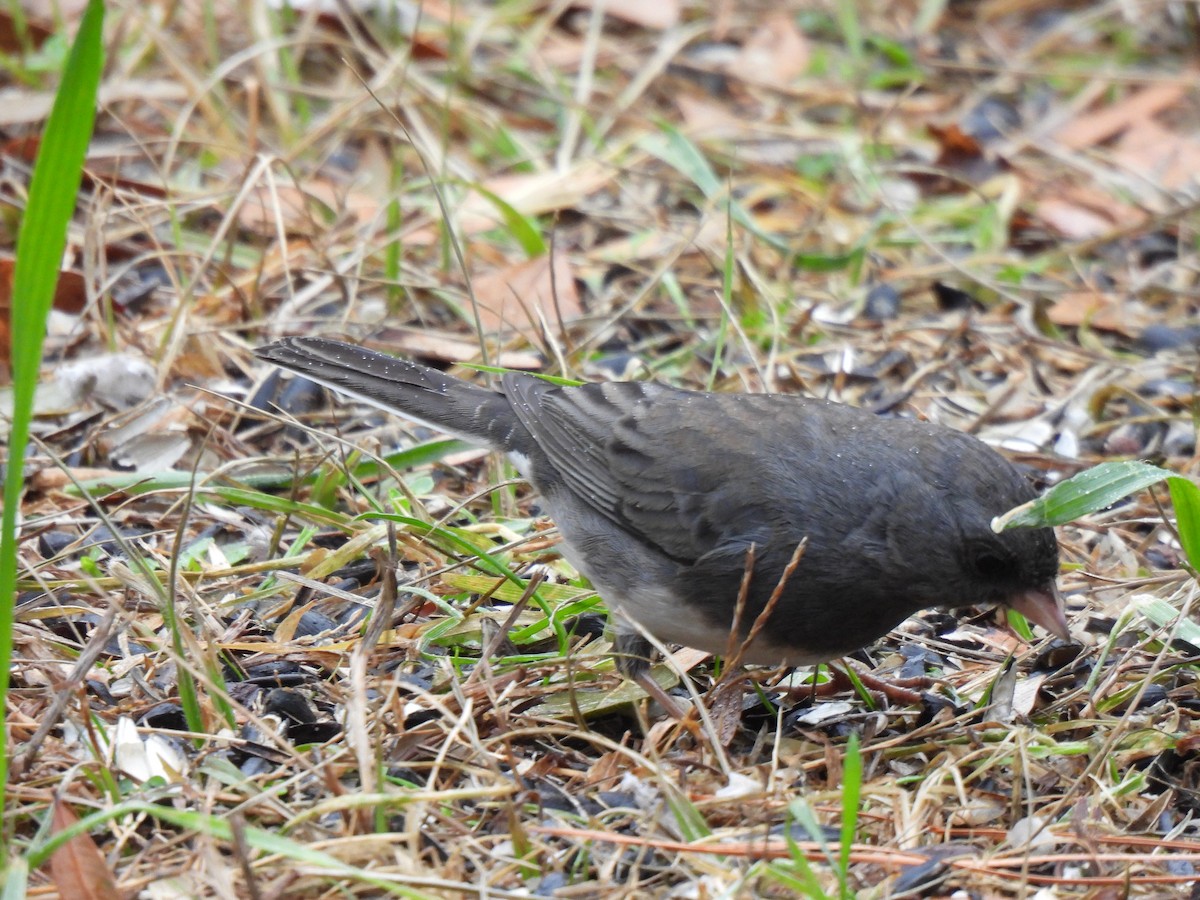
x: 1189, y: 744
x: 1160, y: 155
x: 78, y: 868
x: 35, y: 31
x: 606, y: 769
x: 705, y: 117
x: 659, y: 15
x: 1072, y: 221
x: 725, y: 709
x: 774, y: 55
x: 54, y: 11
x: 529, y: 194
x: 24, y: 148
x: 435, y: 345
x: 525, y: 295
x: 956, y: 145
x: 22, y: 106
x: 70, y: 296
x: 299, y: 211
x: 1096, y: 310
x: 1090, y: 129
x: 1081, y: 213
x: 55, y: 478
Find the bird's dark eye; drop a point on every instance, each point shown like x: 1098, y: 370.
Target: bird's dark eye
x: 991, y: 565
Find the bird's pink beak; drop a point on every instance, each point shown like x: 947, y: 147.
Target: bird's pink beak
x: 1043, y: 606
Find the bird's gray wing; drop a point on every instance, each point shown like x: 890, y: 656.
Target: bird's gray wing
x: 640, y: 455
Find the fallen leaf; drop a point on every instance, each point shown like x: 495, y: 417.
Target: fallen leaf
x: 70, y: 296
x: 1081, y: 213
x: 1160, y: 155
x: 21, y: 106
x: 450, y: 348
x: 1072, y: 221
x: 1096, y: 310
x: 33, y: 30
x: 528, y: 296
x: 1094, y: 128
x: 267, y: 208
x: 658, y: 15
x: 54, y: 11
x: 705, y: 118
x: 1025, y: 694
x: 774, y: 55
x: 78, y: 868
x: 529, y: 194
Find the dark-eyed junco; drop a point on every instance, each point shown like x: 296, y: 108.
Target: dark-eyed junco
x: 660, y: 493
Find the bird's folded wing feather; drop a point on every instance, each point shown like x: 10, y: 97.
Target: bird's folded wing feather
x: 633, y: 454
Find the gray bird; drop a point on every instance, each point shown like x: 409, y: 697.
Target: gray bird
x: 659, y: 493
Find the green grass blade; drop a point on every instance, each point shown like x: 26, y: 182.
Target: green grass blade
x: 798, y: 876
x: 852, y: 776
x: 676, y: 150
x: 522, y: 228
x: 53, y: 191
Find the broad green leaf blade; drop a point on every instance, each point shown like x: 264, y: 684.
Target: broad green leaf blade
x: 1096, y: 488
x: 1164, y: 615
x: 1185, y: 497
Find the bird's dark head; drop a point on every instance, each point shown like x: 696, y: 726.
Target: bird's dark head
x: 1014, y: 568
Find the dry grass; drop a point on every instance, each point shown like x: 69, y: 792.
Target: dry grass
x: 257, y: 174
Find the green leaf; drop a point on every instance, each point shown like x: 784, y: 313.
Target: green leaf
x: 519, y: 226
x: 679, y: 152
x: 500, y: 370
x: 852, y: 776
x: 1019, y: 624
x: 1093, y: 489
x: 1185, y: 497
x: 15, y: 880
x: 894, y: 52
x: 1164, y: 615
x: 827, y: 262
x: 690, y: 821
x: 145, y: 482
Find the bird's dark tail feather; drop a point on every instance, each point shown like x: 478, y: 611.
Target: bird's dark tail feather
x: 396, y: 385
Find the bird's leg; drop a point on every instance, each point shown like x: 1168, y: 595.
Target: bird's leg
x: 899, y: 690
x: 632, y: 654
x: 904, y: 691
